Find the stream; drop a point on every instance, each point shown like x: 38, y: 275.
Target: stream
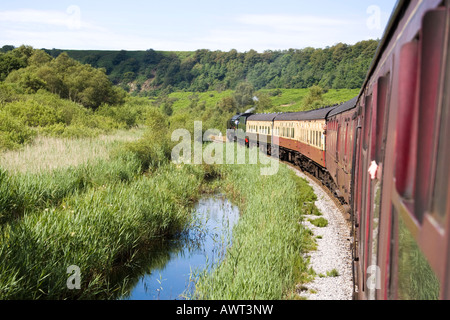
x: 171, y: 267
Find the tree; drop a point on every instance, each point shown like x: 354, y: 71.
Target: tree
x: 264, y: 102
x: 8, y: 63
x: 39, y: 58
x: 7, y: 48
x: 227, y: 105
x: 313, y: 98
x: 167, y: 108
x: 245, y: 92
x: 27, y: 80
x: 152, y: 57
x: 121, y: 56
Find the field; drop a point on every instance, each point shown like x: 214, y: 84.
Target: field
x: 95, y: 215
x: 101, y: 211
x: 288, y: 100
x: 49, y: 153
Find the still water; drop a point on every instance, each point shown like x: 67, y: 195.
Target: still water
x: 198, y: 249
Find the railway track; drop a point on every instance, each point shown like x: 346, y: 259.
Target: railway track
x: 319, y: 183
x: 338, y: 248
x: 335, y: 247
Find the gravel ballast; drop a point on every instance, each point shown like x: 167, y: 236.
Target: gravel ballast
x: 333, y: 251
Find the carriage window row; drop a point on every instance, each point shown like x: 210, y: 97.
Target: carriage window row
x: 312, y: 137
x: 307, y: 136
x: 285, y: 132
x: 260, y: 129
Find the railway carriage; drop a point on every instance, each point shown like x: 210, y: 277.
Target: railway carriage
x: 302, y: 138
x: 260, y: 131
x: 402, y: 204
x: 341, y: 130
x: 386, y: 153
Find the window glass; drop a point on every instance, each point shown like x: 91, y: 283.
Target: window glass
x: 441, y: 184
x: 416, y: 279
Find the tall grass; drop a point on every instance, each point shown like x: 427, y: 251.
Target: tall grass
x: 95, y: 213
x: 98, y: 231
x: 22, y: 193
x: 265, y: 261
x: 47, y: 153
x: 99, y: 214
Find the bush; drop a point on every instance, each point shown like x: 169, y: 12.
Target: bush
x: 13, y: 132
x: 32, y: 113
x: 127, y: 114
x: 154, y: 148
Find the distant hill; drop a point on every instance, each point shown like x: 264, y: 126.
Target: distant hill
x: 150, y: 72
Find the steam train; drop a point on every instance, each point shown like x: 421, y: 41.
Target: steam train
x: 385, y: 155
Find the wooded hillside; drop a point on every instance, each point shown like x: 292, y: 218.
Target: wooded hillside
x: 150, y: 72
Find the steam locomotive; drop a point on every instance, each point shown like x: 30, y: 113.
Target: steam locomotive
x: 386, y: 156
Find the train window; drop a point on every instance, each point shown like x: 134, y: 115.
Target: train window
x: 433, y: 46
x: 415, y: 280
x: 383, y: 88
x: 346, y: 143
x: 338, y: 139
x: 407, y: 120
x: 367, y: 121
x: 442, y: 176
x: 441, y: 184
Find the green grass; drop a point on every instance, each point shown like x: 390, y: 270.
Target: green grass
x: 265, y: 260
x: 49, y: 153
x: 97, y: 230
x: 96, y: 215
x: 100, y: 214
x: 182, y: 100
x: 291, y: 100
x: 333, y: 273
x: 319, y: 222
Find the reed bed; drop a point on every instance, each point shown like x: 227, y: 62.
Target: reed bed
x: 22, y: 193
x: 99, y: 214
x: 96, y: 215
x: 48, y: 153
x: 99, y: 231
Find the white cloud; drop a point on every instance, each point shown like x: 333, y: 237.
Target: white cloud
x: 71, y: 19
x: 68, y: 30
x: 291, y: 22
x: 273, y: 32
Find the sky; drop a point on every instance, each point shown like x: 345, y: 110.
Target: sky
x: 182, y: 25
